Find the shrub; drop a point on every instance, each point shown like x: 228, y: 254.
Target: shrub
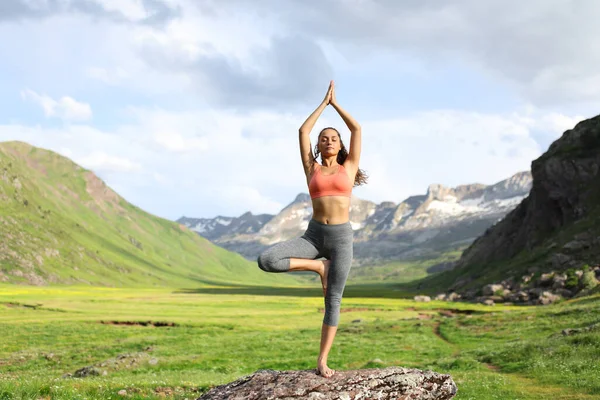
x: 572, y: 280
x: 588, y: 280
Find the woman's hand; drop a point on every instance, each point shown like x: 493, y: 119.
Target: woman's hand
x: 327, y: 98
x: 332, y: 100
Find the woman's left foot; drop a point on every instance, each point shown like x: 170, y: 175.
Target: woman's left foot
x: 324, y: 370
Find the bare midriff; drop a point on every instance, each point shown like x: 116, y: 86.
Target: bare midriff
x: 331, y: 209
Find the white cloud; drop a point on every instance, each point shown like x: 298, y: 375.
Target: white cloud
x: 65, y: 108
x: 173, y: 141
x: 109, y: 76
x: 545, y: 50
x: 108, y: 163
x: 226, y: 163
x: 182, y: 135
x: 251, y: 198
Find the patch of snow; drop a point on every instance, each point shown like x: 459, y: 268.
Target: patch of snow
x: 446, y: 208
x: 199, y: 228
x: 356, y: 225
x: 472, y: 202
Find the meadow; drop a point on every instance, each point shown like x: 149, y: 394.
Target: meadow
x: 178, y: 343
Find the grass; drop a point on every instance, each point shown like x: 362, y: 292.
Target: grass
x: 61, y: 224
x: 500, y: 352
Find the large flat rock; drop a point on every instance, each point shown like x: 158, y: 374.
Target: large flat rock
x: 377, y: 383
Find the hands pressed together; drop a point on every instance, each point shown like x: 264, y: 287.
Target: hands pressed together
x: 330, y: 96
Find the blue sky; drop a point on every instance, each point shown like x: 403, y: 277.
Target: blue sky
x: 192, y: 107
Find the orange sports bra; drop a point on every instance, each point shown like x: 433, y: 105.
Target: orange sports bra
x: 337, y: 184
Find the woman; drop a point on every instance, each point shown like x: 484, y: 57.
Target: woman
x: 329, y: 234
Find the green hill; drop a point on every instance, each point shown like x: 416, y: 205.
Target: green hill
x: 61, y: 224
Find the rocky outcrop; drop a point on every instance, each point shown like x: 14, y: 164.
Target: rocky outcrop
x: 565, y: 194
x: 533, y: 288
x: 386, y: 383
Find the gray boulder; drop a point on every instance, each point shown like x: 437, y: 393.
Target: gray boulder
x: 378, y: 383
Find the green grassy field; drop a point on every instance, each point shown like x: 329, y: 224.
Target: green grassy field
x: 203, y: 337
x: 61, y: 224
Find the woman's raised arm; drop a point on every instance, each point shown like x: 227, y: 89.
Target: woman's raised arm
x: 306, y: 128
x: 355, y: 131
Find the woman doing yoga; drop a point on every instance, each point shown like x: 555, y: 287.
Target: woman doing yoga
x: 329, y: 234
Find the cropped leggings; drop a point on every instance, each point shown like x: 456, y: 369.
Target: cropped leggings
x: 333, y: 242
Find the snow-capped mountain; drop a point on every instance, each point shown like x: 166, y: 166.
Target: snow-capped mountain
x: 420, y: 226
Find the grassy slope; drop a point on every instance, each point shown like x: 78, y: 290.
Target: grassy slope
x: 495, y: 352
x: 400, y: 271
x: 61, y: 223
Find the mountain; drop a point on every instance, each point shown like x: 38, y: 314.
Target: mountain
x: 556, y: 228
x: 214, y: 228
x: 61, y: 224
x: 422, y: 226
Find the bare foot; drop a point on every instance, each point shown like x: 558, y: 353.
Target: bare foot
x: 324, y: 274
x: 324, y: 370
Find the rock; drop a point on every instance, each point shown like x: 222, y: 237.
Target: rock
x: 575, y: 245
x: 546, y: 279
x: 557, y: 260
x: 122, y: 392
x: 86, y: 371
x: 490, y: 290
x: 523, y: 296
x: 564, y: 293
x: 455, y: 296
x: 526, y: 278
x: 488, y: 302
x: 470, y: 294
x: 535, y: 292
x: 441, y: 296
x: 579, y: 273
x: 570, y: 331
x: 558, y: 281
x: 378, y: 383
x: 422, y: 298
x: 547, y: 298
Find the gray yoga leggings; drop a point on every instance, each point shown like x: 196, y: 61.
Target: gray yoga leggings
x: 333, y: 242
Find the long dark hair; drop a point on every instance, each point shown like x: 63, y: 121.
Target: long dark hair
x: 361, y: 176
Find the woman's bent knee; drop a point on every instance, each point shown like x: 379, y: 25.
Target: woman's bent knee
x: 262, y: 263
x: 268, y: 263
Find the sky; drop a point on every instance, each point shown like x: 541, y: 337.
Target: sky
x: 192, y: 107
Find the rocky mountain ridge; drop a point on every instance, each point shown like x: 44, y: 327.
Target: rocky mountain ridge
x: 420, y: 226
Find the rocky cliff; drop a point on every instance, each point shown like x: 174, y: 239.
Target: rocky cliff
x: 555, y: 228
